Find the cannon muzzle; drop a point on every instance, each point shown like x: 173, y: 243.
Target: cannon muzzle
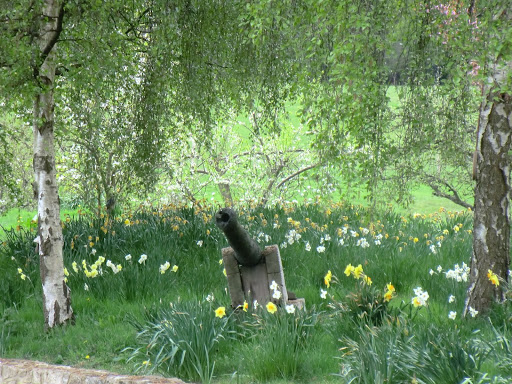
x: 247, y: 251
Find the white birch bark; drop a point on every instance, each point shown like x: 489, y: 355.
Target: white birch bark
x: 491, y: 234
x: 56, y: 294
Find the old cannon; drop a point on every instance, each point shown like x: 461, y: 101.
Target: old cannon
x: 250, y: 270
x: 247, y: 251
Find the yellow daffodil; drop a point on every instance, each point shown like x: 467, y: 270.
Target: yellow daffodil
x: 220, y: 312
x: 245, y: 307
x: 493, y: 278
x: 388, y: 296
x: 358, y: 271
x: 271, y: 307
x: 349, y: 269
x: 328, y: 278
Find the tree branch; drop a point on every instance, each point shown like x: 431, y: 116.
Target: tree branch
x: 453, y: 195
x: 51, y: 43
x: 297, y: 173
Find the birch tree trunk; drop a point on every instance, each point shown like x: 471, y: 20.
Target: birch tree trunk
x: 491, y: 236
x: 56, y: 294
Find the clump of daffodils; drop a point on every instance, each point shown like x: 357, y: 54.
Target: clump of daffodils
x: 458, y: 273
x: 390, y: 292
x: 95, y: 268
x: 276, y: 293
x: 420, y: 300
x: 357, y: 273
x: 115, y: 268
x: 164, y: 267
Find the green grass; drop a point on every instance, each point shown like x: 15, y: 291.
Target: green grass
x: 340, y: 338
x: 97, y: 338
x: 24, y: 217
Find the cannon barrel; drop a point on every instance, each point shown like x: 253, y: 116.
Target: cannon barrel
x: 247, y: 251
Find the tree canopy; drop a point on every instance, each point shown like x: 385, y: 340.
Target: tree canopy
x: 137, y: 80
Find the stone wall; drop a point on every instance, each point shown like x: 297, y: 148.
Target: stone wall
x: 35, y: 372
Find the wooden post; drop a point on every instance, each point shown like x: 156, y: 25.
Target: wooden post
x: 250, y: 283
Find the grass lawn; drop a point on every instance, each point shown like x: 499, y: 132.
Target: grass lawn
x: 132, y: 318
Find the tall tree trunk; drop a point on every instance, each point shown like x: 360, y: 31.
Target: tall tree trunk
x: 56, y: 294
x: 491, y: 234
x: 225, y: 192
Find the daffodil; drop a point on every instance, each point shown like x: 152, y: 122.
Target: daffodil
x: 174, y: 268
x: 493, y: 278
x: 328, y: 278
x: 290, y: 308
x: 349, y: 269
x: 220, y: 312
x: 271, y: 307
x: 358, y: 271
x: 164, y: 267
x: 473, y: 312
x: 245, y: 307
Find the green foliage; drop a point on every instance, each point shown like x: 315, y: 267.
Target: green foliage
x: 396, y: 352
x: 280, y: 345
x: 19, y: 266
x: 367, y: 304
x: 181, y: 341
